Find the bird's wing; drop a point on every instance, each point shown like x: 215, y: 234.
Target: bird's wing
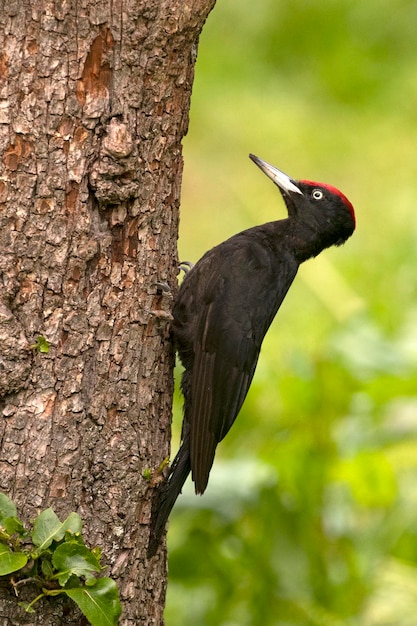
x: 241, y: 298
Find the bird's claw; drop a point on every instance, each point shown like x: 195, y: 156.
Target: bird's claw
x: 185, y: 266
x: 162, y: 287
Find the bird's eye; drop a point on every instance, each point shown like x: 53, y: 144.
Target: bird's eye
x: 317, y: 194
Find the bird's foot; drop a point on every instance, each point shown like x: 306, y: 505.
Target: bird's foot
x: 162, y: 303
x: 162, y: 288
x: 185, y: 266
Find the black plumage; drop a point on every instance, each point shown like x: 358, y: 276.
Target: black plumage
x: 222, y: 312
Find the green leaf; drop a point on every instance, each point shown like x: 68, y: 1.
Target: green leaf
x: 47, y: 569
x: 48, y: 527
x: 14, y: 525
x: 73, y: 558
x: 11, y: 561
x: 42, y: 344
x: 7, y: 507
x: 72, y: 524
x: 45, y: 527
x: 147, y: 474
x: 99, y: 603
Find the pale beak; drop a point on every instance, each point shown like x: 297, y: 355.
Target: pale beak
x: 284, y: 182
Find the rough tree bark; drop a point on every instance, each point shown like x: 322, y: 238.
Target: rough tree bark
x: 94, y: 100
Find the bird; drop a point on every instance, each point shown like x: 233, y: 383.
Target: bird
x: 221, y: 313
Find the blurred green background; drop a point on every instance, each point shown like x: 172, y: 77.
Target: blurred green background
x: 310, y: 516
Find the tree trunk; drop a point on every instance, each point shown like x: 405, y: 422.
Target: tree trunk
x: 94, y: 101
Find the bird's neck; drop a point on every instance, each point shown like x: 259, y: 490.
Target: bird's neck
x: 307, y: 245
x: 302, y: 240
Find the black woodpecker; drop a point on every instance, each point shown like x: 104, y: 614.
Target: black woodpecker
x: 222, y: 312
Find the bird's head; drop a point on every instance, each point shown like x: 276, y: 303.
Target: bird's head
x: 321, y: 209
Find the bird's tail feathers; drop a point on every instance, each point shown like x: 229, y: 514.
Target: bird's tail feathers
x: 166, y: 495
